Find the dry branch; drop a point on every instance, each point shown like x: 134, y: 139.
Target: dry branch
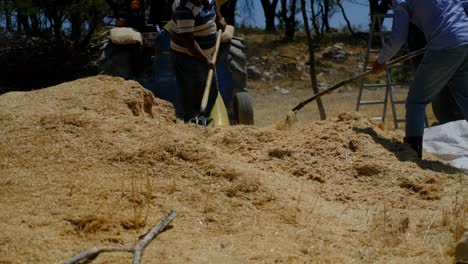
x: 137, y: 249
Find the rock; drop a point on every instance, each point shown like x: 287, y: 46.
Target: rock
x: 461, y: 249
x: 281, y: 90
x: 335, y: 53
x: 254, y: 58
x: 341, y: 56
x: 322, y: 86
x: 277, y: 76
x: 272, y: 76
x: 253, y: 72
x: 331, y: 71
x: 339, y: 46
x: 267, y: 76
x: 290, y: 67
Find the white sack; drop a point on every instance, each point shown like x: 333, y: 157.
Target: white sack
x: 124, y: 36
x: 449, y: 142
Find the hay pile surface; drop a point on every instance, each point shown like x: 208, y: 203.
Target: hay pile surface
x: 98, y: 161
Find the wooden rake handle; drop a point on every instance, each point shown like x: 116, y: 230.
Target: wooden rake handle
x: 209, y: 79
x: 352, y: 79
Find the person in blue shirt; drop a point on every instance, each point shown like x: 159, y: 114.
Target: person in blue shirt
x: 193, y: 39
x: 445, y: 26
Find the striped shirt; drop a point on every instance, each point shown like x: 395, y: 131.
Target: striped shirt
x: 201, y: 20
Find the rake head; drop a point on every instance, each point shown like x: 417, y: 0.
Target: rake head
x: 201, y: 121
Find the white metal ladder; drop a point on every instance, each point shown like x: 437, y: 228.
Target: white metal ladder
x: 389, y: 85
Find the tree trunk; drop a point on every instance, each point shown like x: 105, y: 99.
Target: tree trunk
x: 23, y: 24
x: 312, y: 72
x: 326, y: 11
x: 57, y: 27
x: 228, y: 10
x: 314, y: 19
x: 289, y: 20
x: 35, y: 27
x: 379, y: 8
x: 7, y: 11
x: 321, y: 13
x: 350, y: 27
x: 269, y: 9
x: 76, y: 23
x: 287, y: 14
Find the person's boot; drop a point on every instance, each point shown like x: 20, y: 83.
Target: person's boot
x: 416, y: 144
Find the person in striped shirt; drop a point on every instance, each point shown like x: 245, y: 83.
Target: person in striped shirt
x: 193, y: 39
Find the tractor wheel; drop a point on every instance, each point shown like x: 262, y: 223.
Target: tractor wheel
x: 115, y: 60
x: 243, y: 108
x: 237, y: 64
x: 240, y: 105
x: 445, y: 108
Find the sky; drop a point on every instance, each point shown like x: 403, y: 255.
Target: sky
x: 357, y: 12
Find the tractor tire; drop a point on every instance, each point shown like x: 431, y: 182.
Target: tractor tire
x: 445, y: 107
x: 243, y: 108
x: 236, y: 61
x: 115, y: 60
x: 239, y: 108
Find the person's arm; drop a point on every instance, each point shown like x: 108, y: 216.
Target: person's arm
x: 398, y: 35
x: 184, y: 23
x: 191, y: 44
x: 220, y: 22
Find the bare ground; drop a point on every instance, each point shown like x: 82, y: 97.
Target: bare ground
x: 99, y: 160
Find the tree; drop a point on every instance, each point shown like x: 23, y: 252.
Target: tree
x: 269, y: 9
x: 228, y: 10
x: 6, y: 12
x: 325, y: 15
x: 312, y: 71
x: 379, y: 7
x: 348, y: 23
x: 288, y: 17
x: 55, y: 34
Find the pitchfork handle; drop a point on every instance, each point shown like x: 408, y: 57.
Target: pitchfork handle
x: 352, y: 79
x: 209, y: 79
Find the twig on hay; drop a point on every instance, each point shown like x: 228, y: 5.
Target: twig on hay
x: 430, y: 226
x: 137, y: 249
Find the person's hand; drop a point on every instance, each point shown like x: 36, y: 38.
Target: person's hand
x: 377, y: 68
x: 221, y: 23
x: 210, y: 64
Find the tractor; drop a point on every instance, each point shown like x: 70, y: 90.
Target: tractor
x: 139, y: 49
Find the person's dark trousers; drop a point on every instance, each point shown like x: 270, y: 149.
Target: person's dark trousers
x: 416, y: 143
x: 437, y: 69
x: 191, y: 77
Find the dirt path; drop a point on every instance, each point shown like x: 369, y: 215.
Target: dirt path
x: 271, y: 105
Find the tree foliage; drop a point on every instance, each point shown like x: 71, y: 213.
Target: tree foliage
x: 47, y: 41
x: 58, y: 19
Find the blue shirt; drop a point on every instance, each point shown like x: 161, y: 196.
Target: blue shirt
x: 444, y: 23
x: 199, y: 20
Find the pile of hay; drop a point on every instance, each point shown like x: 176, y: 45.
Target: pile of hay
x: 98, y: 161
